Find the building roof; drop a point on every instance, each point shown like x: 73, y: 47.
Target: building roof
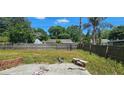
x: 104, y: 40
x: 62, y: 40
x: 117, y: 40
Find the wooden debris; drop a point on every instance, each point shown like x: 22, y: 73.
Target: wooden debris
x: 79, y: 62
x: 60, y: 59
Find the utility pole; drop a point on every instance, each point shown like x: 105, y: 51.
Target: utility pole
x: 80, y: 27
x: 80, y: 24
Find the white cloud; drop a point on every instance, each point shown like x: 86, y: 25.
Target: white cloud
x: 40, y: 17
x: 62, y: 21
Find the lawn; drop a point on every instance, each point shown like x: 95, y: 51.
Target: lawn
x: 39, y: 56
x: 96, y: 65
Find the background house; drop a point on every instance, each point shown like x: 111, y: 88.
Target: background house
x: 104, y: 41
x: 62, y: 41
x: 116, y: 42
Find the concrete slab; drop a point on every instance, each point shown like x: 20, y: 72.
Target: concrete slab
x: 46, y: 69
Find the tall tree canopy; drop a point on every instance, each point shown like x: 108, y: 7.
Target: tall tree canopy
x: 75, y: 32
x: 64, y: 35
x: 4, y: 23
x: 40, y: 34
x: 105, y: 34
x: 96, y: 23
x: 87, y: 37
x: 18, y: 29
x: 56, y: 32
x: 117, y: 33
x: 72, y: 32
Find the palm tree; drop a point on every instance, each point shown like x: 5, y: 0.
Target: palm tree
x: 96, y: 23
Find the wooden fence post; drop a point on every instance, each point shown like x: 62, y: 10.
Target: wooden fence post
x: 82, y: 45
x: 90, y: 49
x: 106, y: 52
x: 70, y: 47
x: 56, y: 46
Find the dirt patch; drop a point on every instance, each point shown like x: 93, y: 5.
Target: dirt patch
x: 5, y: 64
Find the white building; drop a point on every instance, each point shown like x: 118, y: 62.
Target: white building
x: 37, y: 41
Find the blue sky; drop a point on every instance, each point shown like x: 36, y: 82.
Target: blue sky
x: 46, y: 22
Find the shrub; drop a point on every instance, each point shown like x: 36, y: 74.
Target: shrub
x: 58, y: 41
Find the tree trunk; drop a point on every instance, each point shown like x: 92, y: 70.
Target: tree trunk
x: 94, y: 36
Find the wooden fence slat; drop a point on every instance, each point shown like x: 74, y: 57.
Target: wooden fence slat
x: 42, y: 46
x: 113, y: 52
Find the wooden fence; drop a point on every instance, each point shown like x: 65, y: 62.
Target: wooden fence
x: 38, y: 46
x: 113, y: 52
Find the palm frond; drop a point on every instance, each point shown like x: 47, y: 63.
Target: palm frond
x: 87, y: 25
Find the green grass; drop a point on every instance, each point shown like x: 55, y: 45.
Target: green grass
x: 96, y: 65
x: 99, y: 65
x: 38, y: 56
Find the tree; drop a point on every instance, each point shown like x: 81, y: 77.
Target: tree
x: 55, y: 31
x: 19, y: 23
x: 17, y: 36
x: 96, y: 23
x: 105, y: 34
x: 64, y: 36
x: 58, y: 41
x: 87, y: 37
x: 4, y: 39
x: 117, y: 33
x: 4, y: 23
x: 20, y: 30
x: 75, y: 33
x: 40, y: 34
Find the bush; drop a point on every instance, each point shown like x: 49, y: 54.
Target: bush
x: 4, y: 39
x: 58, y: 41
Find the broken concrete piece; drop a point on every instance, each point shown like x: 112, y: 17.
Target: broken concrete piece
x: 41, y: 71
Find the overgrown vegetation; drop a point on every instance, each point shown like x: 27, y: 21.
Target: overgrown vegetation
x: 100, y: 66
x: 19, y: 30
x: 38, y: 56
x: 96, y: 23
x: 58, y: 41
x: 96, y: 65
x: 117, y: 33
x: 71, y: 32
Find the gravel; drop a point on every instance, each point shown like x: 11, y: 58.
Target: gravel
x: 46, y: 69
